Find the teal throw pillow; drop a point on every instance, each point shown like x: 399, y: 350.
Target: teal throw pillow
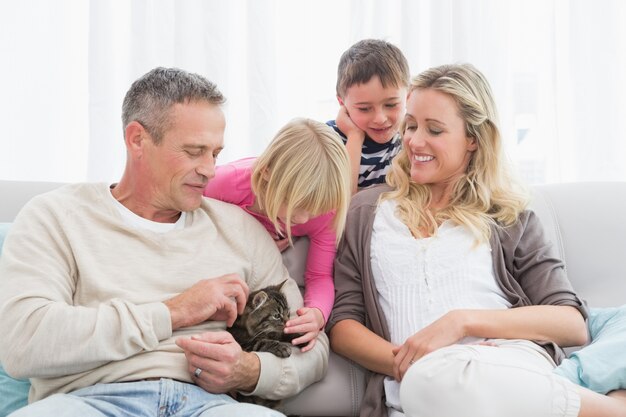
x: 13, y: 393
x: 601, y: 365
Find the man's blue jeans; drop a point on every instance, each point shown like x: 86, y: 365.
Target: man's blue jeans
x: 161, y: 398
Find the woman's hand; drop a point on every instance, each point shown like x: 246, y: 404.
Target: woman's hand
x: 309, y: 322
x: 445, y: 331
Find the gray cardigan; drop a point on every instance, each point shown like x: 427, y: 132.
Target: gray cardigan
x: 524, y: 263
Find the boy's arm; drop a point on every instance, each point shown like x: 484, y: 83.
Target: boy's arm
x: 354, y: 144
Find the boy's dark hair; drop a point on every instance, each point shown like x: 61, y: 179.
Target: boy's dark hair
x: 151, y: 97
x: 368, y: 58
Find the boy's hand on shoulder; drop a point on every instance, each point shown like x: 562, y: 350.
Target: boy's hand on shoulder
x: 347, y: 126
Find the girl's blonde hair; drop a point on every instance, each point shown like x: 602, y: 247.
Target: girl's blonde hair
x: 487, y: 193
x: 305, y: 167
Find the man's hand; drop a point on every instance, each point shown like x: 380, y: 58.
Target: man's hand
x: 225, y: 367
x: 219, y: 298
x: 309, y: 322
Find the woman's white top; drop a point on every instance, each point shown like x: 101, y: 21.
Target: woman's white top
x: 420, y: 280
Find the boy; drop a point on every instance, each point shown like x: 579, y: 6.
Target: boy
x: 372, y: 82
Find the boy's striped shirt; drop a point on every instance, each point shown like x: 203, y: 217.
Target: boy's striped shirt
x: 375, y: 157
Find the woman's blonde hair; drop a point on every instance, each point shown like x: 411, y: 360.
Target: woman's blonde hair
x: 305, y: 167
x: 487, y: 193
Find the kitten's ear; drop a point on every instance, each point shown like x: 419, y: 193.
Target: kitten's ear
x: 280, y: 286
x: 259, y: 299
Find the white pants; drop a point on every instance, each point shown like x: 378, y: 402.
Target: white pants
x: 514, y: 379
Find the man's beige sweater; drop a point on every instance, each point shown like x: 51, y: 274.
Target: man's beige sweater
x: 81, y: 293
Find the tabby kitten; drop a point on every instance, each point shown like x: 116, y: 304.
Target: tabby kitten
x: 260, y: 328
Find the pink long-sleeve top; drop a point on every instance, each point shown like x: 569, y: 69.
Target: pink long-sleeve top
x: 232, y: 184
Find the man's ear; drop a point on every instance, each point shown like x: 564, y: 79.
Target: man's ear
x: 339, y: 100
x: 134, y: 135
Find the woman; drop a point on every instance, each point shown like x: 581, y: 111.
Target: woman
x: 446, y: 280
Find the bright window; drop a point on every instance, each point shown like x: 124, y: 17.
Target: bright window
x: 556, y: 67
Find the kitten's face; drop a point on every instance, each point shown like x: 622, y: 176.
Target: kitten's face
x: 266, y: 313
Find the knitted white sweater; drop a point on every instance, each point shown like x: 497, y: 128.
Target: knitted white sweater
x: 81, y: 292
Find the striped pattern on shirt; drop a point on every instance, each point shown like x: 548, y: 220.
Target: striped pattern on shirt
x: 375, y: 157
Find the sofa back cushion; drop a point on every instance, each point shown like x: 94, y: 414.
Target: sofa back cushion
x: 586, y: 223
x: 16, y: 193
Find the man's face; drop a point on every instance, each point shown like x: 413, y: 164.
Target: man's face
x: 179, y: 167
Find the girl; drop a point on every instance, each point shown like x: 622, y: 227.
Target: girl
x: 299, y: 186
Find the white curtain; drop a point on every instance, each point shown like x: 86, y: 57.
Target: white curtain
x: 557, y: 68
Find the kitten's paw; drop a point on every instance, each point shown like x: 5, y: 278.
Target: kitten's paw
x: 280, y: 349
x: 283, y: 350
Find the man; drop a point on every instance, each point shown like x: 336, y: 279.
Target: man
x: 116, y: 298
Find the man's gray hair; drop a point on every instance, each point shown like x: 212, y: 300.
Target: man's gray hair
x: 151, y: 97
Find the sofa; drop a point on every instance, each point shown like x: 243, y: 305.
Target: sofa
x: 583, y: 220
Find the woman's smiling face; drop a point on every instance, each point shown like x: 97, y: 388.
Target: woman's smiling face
x: 435, y: 139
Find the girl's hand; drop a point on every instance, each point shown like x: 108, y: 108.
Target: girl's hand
x: 309, y: 322
x: 445, y: 331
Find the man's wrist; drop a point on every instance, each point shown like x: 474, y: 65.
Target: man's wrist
x: 174, y: 316
x: 250, y: 371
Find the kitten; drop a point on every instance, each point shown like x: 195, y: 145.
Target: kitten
x: 260, y: 328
